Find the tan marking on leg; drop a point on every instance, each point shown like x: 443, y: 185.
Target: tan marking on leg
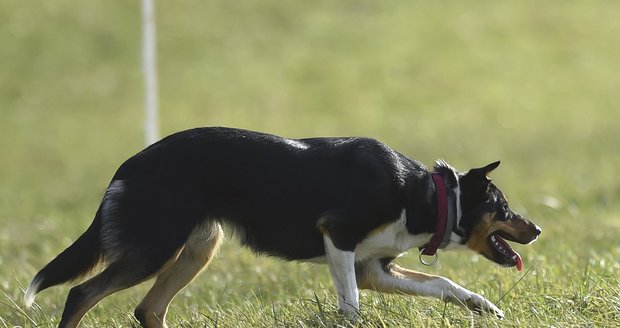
x: 378, y: 279
x: 401, y: 272
x: 199, y: 249
x: 83, y: 297
x: 77, y: 316
x: 320, y: 225
x: 378, y: 229
x: 394, y: 279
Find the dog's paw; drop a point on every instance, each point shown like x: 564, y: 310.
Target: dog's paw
x: 480, y: 305
x: 350, y: 315
x: 463, y: 297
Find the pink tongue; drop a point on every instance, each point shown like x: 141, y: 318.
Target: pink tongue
x: 519, y: 262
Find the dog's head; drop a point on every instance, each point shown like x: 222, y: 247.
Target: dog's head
x: 487, y: 220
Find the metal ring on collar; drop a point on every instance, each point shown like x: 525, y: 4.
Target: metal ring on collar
x: 428, y: 263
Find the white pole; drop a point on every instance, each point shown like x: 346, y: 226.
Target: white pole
x: 150, y: 71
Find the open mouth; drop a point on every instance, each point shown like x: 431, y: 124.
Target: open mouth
x: 508, y: 255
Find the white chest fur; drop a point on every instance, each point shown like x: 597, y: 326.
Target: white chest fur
x: 390, y: 240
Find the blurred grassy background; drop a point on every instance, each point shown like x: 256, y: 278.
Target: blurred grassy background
x: 532, y: 83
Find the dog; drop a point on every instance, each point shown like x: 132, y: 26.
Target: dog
x: 350, y: 202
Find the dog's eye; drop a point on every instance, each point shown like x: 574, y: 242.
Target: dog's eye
x: 501, y: 216
x: 504, y: 213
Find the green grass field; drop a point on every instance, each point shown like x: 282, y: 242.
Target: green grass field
x: 532, y: 83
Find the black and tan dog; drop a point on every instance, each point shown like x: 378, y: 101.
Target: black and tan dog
x: 352, y: 203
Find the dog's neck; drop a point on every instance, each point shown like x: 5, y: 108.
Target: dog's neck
x: 448, y: 214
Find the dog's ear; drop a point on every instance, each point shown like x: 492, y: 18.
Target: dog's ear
x: 474, y: 191
x: 476, y: 180
x: 484, y: 171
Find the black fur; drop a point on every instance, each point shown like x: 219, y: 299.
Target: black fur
x: 272, y: 190
x: 276, y: 193
x: 75, y: 261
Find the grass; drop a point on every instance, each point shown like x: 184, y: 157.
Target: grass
x: 531, y: 83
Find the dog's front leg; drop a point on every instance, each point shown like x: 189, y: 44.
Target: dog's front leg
x: 342, y: 268
x: 387, y: 277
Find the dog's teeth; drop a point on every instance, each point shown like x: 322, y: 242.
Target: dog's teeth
x: 514, y: 257
x: 493, y: 238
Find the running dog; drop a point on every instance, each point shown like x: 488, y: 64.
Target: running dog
x: 353, y: 203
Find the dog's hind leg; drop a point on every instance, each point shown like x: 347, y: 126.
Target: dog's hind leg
x: 119, y: 275
x: 197, y: 252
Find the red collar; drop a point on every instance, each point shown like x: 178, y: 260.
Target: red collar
x: 442, y: 217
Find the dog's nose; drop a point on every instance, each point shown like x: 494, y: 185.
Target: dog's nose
x: 538, y: 230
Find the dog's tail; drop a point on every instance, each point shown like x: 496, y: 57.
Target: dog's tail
x: 75, y: 261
